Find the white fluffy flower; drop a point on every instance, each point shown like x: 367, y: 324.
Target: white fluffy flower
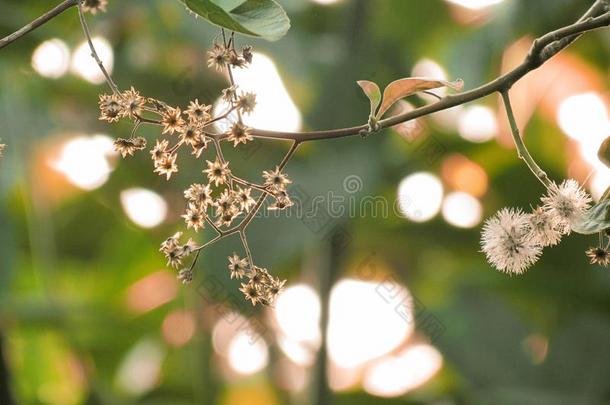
x: 542, y: 231
x: 504, y: 241
x: 566, y: 204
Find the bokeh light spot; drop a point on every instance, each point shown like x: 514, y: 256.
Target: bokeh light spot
x: 420, y: 196
x: 51, y: 58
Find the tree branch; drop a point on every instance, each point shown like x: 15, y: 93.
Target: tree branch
x: 542, y: 50
x: 43, y: 19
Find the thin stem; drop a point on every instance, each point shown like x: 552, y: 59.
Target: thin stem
x: 211, y: 241
x: 221, y: 157
x: 43, y: 19
x: 94, y: 54
x: 244, y: 241
x: 250, y: 184
x: 521, y: 148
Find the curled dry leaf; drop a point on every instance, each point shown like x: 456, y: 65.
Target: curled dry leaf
x: 372, y: 91
x: 405, y: 87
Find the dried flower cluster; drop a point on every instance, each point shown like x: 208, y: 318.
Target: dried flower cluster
x: 513, y: 240
x: 94, y: 6
x: 2, y: 146
x: 222, y: 200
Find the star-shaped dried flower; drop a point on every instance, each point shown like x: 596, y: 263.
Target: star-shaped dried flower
x: 127, y: 147
x: 239, y: 133
x: 598, y: 255
x: 189, y: 134
x: 275, y: 180
x: 282, y: 201
x: 199, y: 194
x: 226, y: 217
x: 172, y: 121
x: 217, y: 172
x: 111, y: 107
x: 246, y: 102
x: 229, y: 94
x: 218, y: 57
x: 251, y: 292
x: 198, y: 112
x: 166, y: 166
x: 132, y: 103
x: 200, y: 144
x: 160, y: 150
x: 243, y: 197
x: 194, y: 217
x: 237, y: 266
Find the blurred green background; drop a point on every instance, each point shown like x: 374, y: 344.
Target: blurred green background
x: 89, y: 314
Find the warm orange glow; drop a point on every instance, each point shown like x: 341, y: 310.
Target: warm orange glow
x: 546, y: 87
x: 178, y: 328
x: 462, y: 174
x: 151, y: 292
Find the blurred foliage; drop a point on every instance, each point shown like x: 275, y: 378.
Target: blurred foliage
x: 66, y: 264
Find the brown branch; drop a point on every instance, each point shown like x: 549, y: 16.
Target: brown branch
x: 542, y: 50
x: 43, y: 19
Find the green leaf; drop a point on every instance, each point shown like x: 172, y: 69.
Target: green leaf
x: 595, y: 220
x: 258, y: 18
x: 373, y: 93
x: 405, y: 87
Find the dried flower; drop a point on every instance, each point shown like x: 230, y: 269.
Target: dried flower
x: 542, y: 230
x: 127, y: 147
x: 229, y: 94
x: 190, y: 134
x: 226, y: 217
x: 132, y: 103
x: 198, y: 112
x: 273, y: 289
x: 194, y: 217
x: 246, y: 102
x: 200, y: 144
x: 566, y: 204
x: 598, y: 255
x: 166, y: 165
x: 111, y: 107
x: 237, y: 266
x: 159, y: 151
x: 172, y: 121
x: 93, y: 6
x: 282, y: 201
x: 218, y: 57
x: 218, y: 172
x: 172, y: 250
x: 505, y: 243
x: 224, y: 201
x: 236, y: 60
x: 2, y: 146
x: 251, y: 292
x: 239, y: 133
x: 199, y: 194
x: 275, y: 180
x: 245, y: 200
x: 246, y: 53
x: 186, y: 276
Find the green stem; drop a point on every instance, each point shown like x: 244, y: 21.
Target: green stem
x: 521, y: 148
